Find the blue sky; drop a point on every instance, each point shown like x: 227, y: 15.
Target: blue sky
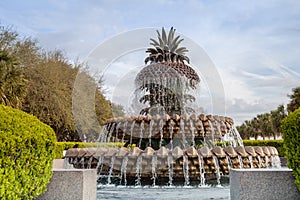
x: 255, y: 45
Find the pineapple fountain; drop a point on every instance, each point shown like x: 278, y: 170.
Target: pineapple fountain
x: 169, y: 143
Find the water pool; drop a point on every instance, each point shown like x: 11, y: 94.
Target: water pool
x: 163, y: 192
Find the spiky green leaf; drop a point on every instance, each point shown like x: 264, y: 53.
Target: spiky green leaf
x: 181, y: 50
x: 170, y: 36
x: 161, y: 43
x: 154, y: 42
x: 164, y: 36
x: 158, y: 33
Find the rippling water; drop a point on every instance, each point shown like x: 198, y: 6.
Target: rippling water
x: 161, y: 192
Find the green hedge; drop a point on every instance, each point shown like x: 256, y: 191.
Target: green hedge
x: 61, y: 146
x: 26, y: 154
x: 291, y: 130
x: 278, y: 144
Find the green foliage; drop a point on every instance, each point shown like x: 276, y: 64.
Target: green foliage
x: 291, y: 129
x: 89, y: 106
x: 295, y: 100
x: 264, y: 125
x: 26, y: 154
x: 50, y: 94
x: 118, y: 110
x: 61, y: 146
x: 13, y: 84
x: 41, y: 83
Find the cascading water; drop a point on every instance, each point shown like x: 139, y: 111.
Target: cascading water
x: 251, y: 161
x: 150, y: 131
x: 138, y: 171
x: 110, y: 133
x: 123, y: 171
x: 99, y: 164
x: 202, y: 170
x: 212, y: 132
x: 182, y: 131
x: 141, y: 133
x: 237, y: 136
x: 193, y: 132
x: 90, y: 162
x: 117, y: 132
x: 131, y: 132
x: 186, y: 170
x: 124, y: 131
x: 170, y: 169
x: 171, y: 134
x: 229, y: 162
x: 241, y: 162
x: 217, y: 168
x: 161, y: 122
x: 276, y: 162
x: 267, y: 159
x: 110, y: 170
x: 82, y: 162
x: 260, y: 163
x: 176, y: 165
x: 153, y: 169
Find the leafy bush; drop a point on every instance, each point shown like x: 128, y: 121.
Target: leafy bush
x: 61, y: 146
x: 291, y: 130
x: 26, y: 154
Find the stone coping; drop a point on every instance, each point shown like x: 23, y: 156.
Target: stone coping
x: 282, y: 169
x: 71, y: 184
x: 269, y: 183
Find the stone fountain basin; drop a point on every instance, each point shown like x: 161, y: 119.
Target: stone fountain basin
x: 210, y: 163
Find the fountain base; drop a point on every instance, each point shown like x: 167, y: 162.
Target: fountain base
x: 263, y: 184
x: 192, y: 165
x: 75, y: 184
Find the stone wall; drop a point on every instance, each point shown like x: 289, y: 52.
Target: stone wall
x: 263, y: 184
x: 71, y: 184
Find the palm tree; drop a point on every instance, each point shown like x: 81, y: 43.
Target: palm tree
x: 264, y: 124
x: 13, y: 84
x: 276, y: 117
x: 244, y: 132
x: 256, y: 131
x: 295, y: 100
x: 168, y: 79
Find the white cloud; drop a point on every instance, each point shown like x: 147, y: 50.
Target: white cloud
x: 255, y: 45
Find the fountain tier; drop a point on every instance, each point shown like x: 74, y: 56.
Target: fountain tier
x: 190, y: 130
x: 164, y: 166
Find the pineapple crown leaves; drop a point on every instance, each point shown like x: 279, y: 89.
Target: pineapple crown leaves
x: 166, y: 48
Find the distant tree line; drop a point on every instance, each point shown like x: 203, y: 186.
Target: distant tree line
x: 268, y: 124
x: 41, y: 83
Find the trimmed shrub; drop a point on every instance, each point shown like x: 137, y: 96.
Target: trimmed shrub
x: 26, y: 154
x: 61, y: 146
x: 291, y: 135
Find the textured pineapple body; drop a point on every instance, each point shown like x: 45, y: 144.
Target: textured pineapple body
x: 166, y: 86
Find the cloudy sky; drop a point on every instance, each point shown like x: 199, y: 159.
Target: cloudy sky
x: 254, y: 45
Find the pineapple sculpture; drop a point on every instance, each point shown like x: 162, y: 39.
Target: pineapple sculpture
x: 166, y: 83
